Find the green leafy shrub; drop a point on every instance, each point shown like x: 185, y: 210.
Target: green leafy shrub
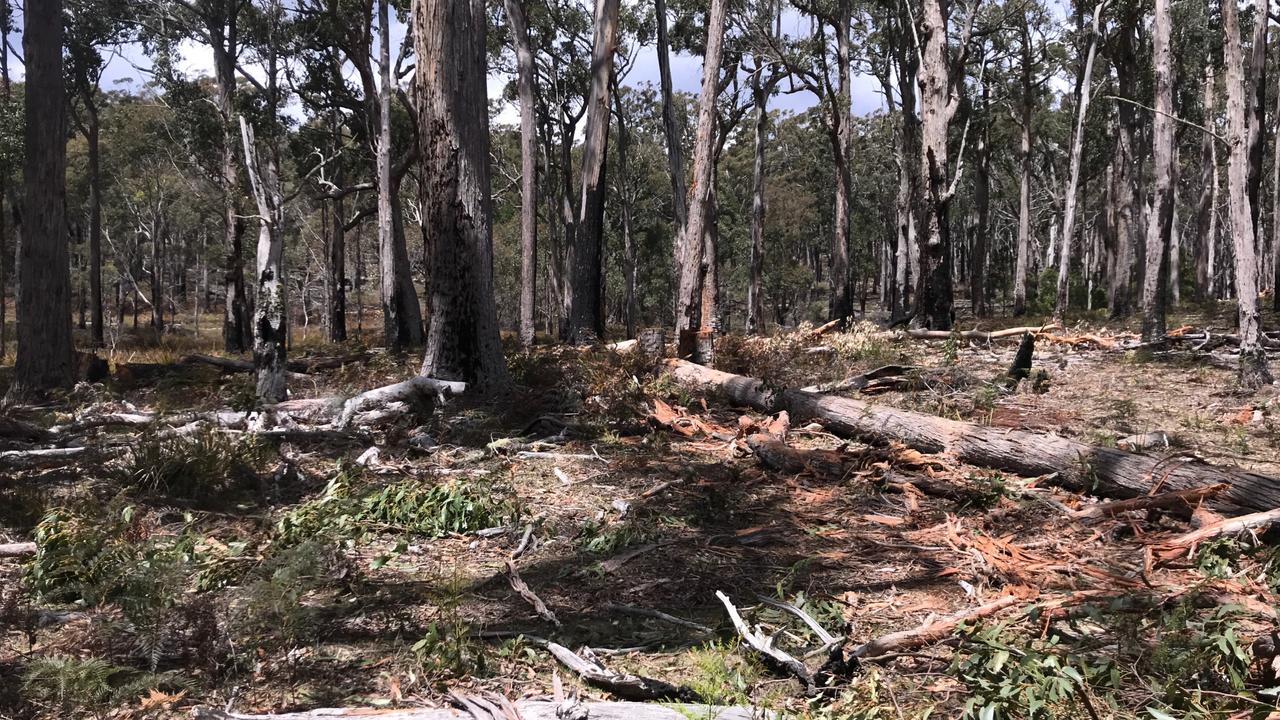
x: 198, y: 467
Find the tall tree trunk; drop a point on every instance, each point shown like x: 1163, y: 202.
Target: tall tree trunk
x: 906, y: 152
x: 982, y: 211
x: 45, y: 358
x: 1253, y: 359
x: 237, y: 334
x: 1275, y: 213
x: 586, y: 289
x: 671, y: 130
x: 95, y: 224
x: 1155, y: 279
x: 528, y: 171
x: 6, y: 94
x: 402, y: 318
x: 1124, y: 174
x: 337, y: 250
x: 157, y: 233
x: 1073, y: 182
x: 937, y: 108
x: 270, y: 311
x: 1206, y: 206
x: 841, y: 301
x: 1024, y: 183
x: 453, y: 117
x: 691, y: 269
x: 630, y: 263
x: 755, y: 287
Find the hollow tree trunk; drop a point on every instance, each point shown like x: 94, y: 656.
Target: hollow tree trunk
x: 45, y: 358
x: 528, y: 171
x: 1155, y: 280
x: 691, y: 270
x: 453, y: 117
x: 1073, y: 182
x: 1253, y: 359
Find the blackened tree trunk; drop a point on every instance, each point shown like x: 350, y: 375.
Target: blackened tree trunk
x: 1155, y: 279
x: 586, y: 253
x: 528, y: 171
x: 691, y: 269
x: 453, y: 117
x: 337, y: 250
x: 402, y: 318
x: 1256, y: 113
x: 45, y: 358
x: 1073, y: 181
x: 1253, y: 359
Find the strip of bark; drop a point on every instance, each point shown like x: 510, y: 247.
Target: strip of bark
x: 1181, y: 502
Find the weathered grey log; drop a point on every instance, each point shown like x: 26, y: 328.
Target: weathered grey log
x: 41, y: 456
x: 528, y: 709
x: 230, y: 364
x: 409, y: 390
x: 1072, y: 464
x: 21, y: 549
x: 979, y: 334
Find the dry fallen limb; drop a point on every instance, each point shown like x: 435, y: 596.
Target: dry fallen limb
x: 527, y: 710
x: 522, y: 589
x: 231, y: 364
x: 928, y: 633
x: 980, y: 335
x: 623, y: 685
x: 92, y: 422
x: 659, y: 615
x: 763, y: 646
x: 417, y: 388
x: 1078, y: 466
x: 41, y: 456
x: 1181, y: 501
x: 824, y: 637
x: 1231, y: 526
x: 21, y: 549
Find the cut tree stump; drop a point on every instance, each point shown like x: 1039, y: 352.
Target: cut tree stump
x: 1072, y: 464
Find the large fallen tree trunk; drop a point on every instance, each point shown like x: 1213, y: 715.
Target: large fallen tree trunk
x: 979, y: 335
x: 1072, y: 464
x: 527, y: 709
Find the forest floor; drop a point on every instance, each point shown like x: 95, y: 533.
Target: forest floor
x: 228, y: 568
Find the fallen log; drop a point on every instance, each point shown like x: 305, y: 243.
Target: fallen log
x: 1106, y: 472
x: 414, y: 389
x: 527, y: 709
x: 21, y: 549
x: 979, y: 335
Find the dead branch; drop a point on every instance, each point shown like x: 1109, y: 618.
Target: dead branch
x: 763, y: 646
x: 1232, y: 526
x: 659, y: 615
x: 624, y: 685
x: 21, y: 549
x: 1181, y: 502
x: 980, y: 335
x: 522, y: 589
x: 931, y: 632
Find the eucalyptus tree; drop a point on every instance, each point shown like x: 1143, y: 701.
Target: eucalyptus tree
x: 1160, y: 224
x: 1254, y: 372
x: 526, y: 72
x: 462, y: 340
x: 45, y: 357
x: 11, y: 131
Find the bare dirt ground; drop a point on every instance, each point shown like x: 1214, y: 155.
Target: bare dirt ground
x: 285, y: 575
